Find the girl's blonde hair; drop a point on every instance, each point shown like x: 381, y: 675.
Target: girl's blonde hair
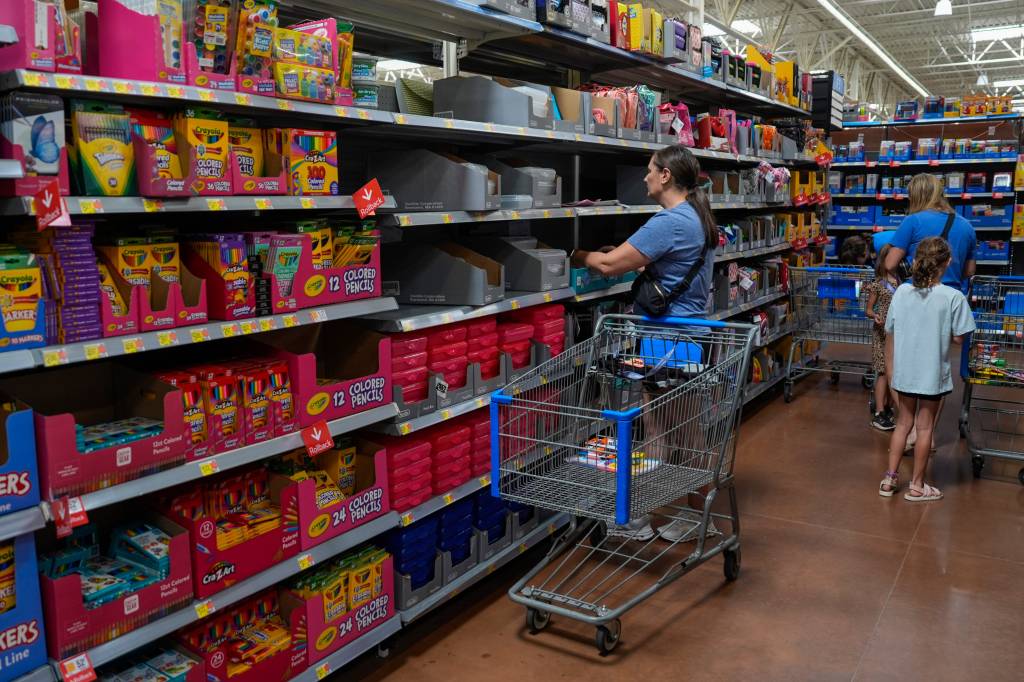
x: 926, y: 194
x: 929, y: 261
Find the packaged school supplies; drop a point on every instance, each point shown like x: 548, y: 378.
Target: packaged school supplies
x: 210, y: 27
x: 164, y: 257
x: 304, y: 65
x: 254, y: 63
x: 102, y: 153
x: 32, y: 130
x: 120, y: 432
x: 283, y: 260
x: 221, y: 259
x: 21, y: 295
x: 193, y: 410
x: 110, y: 289
x: 156, y: 148
x: 247, y: 146
x: 128, y: 257
x: 600, y: 453
x: 311, y: 157
x: 221, y: 401
x: 323, y: 244
x: 204, y: 150
x: 355, y: 245
x: 8, y: 593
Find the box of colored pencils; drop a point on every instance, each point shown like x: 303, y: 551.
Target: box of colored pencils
x: 221, y: 260
x: 119, y: 303
x: 204, y: 149
x: 156, y: 152
x: 255, y: 169
x: 311, y: 157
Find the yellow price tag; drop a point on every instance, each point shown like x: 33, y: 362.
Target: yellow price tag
x: 66, y: 82
x: 491, y: 568
x: 175, y: 91
x: 447, y: 218
x: 52, y: 358
x: 166, y: 338
x: 90, y: 206
x: 34, y: 79
x: 406, y: 519
x: 152, y: 205
x: 95, y: 85
x: 248, y: 326
x: 489, y: 127
x: 449, y: 123
x: 318, y: 316
x: 516, y: 215
x: 547, y: 213
x: 290, y: 321
x: 133, y: 345
x: 551, y: 134
x: 267, y: 324
x: 600, y: 140
x: 341, y: 111
x: 400, y: 119
x: 445, y: 414
x: 480, y: 402
x: 229, y: 330
x: 404, y: 220
x: 579, y: 138
x: 207, y: 95
x: 264, y: 204
x: 521, y: 130
x: 515, y: 304
x: 305, y: 561
x: 243, y: 98
x: 485, y: 480
x: 95, y: 351
x: 569, y: 213
x: 323, y: 670
x: 307, y: 202
x: 200, y: 335
x: 209, y: 467
x: 405, y: 428
x: 216, y: 204
x: 205, y: 608
x: 551, y: 529
x: 284, y: 105
x: 364, y: 114
x: 448, y: 498
x: 523, y: 548
x: 547, y: 298
x: 124, y: 88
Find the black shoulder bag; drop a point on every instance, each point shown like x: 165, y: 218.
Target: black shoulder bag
x: 904, y: 268
x: 651, y: 296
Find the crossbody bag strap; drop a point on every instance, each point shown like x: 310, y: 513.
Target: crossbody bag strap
x: 949, y: 226
x: 684, y: 285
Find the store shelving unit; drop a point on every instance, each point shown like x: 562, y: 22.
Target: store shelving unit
x: 485, y: 32
x: 933, y: 163
x: 930, y: 121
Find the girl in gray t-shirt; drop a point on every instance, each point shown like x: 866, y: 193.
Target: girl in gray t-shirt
x: 924, y: 317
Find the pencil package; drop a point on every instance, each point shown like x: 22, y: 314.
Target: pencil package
x: 103, y: 156
x: 322, y: 242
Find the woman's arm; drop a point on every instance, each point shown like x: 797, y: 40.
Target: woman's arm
x: 623, y: 258
x: 870, y: 307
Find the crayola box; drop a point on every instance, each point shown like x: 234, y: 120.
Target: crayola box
x: 21, y: 625
x: 102, y: 154
x: 129, y: 257
x: 21, y: 301
x: 311, y: 157
x: 204, y: 148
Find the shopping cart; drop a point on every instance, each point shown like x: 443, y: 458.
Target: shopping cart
x: 620, y: 426
x: 992, y: 419
x: 829, y: 306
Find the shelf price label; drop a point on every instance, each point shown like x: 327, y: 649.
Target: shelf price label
x: 176, y: 91
x: 205, y: 608
x: 167, y: 338
x: 341, y: 111
x: 318, y: 315
x: 305, y: 561
x: 307, y: 202
x: 66, y: 82
x: 209, y: 467
x: 216, y: 204
x: 290, y: 320
x: 124, y: 87
x: 267, y: 324
x: 406, y: 519
x: 55, y: 357
x: 90, y: 206
x: 364, y: 114
x: 95, y: 84
x: 323, y: 670
x: 485, y: 480
x: 77, y: 669
x: 547, y: 298
x: 448, y: 499
x: 284, y: 105
x: 515, y: 304
x: 405, y: 428
x: 201, y: 334
x: 207, y: 95
x: 152, y: 205
x: 248, y: 326
x: 400, y: 119
x: 229, y: 330
x: 95, y: 351
x: 264, y: 204
x: 133, y: 345
x: 243, y: 98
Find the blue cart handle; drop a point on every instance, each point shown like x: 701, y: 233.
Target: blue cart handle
x: 686, y: 322
x: 855, y: 269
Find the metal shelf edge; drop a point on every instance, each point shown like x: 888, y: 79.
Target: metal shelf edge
x: 438, y: 315
x: 351, y: 651
x: 436, y: 504
x: 21, y: 522
x: 736, y: 310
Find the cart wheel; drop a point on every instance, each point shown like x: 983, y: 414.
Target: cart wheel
x: 787, y: 392
x: 868, y: 380
x: 1020, y: 476
x: 537, y: 620
x: 383, y: 650
x: 977, y: 464
x: 732, y: 564
x: 834, y: 377
x: 608, y: 637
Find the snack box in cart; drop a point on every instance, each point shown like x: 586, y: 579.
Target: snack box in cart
x: 337, y: 369
x: 111, y: 391
x: 21, y: 626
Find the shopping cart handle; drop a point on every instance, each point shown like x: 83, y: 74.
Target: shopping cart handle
x: 686, y: 322
x: 1010, y: 278
x: 847, y: 270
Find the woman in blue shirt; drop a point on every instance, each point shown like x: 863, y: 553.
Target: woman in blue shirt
x: 674, y: 239
x: 671, y: 243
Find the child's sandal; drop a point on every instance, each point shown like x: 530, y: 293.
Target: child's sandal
x: 926, y: 493
x: 892, y: 480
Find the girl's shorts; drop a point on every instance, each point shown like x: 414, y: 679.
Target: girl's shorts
x: 922, y: 396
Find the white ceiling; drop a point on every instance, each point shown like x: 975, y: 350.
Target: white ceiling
x: 937, y: 51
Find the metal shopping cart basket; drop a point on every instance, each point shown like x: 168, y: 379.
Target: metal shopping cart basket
x: 829, y: 306
x: 992, y: 418
x: 623, y: 425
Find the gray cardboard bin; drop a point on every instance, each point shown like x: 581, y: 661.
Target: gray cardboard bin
x: 529, y: 264
x: 422, y: 180
x: 630, y: 188
x: 443, y: 274
x: 475, y: 98
x: 516, y: 180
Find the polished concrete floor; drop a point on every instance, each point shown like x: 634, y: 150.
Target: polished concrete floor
x: 837, y: 583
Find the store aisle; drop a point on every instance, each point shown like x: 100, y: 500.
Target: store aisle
x: 837, y: 583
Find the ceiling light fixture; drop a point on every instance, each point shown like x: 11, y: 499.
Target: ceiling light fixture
x: 943, y: 8
x: 1009, y: 84
x: 982, y: 79
x: 746, y: 26
x: 980, y: 35
x: 873, y: 46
